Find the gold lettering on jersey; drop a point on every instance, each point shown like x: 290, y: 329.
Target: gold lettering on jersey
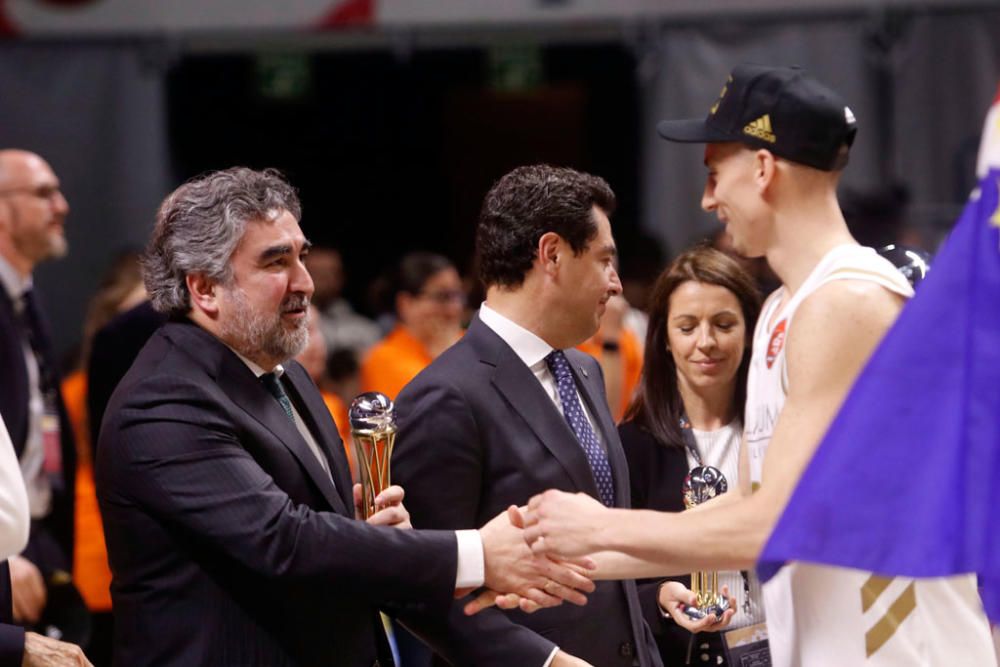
x: 761, y: 128
x: 873, y: 588
x: 886, y: 626
x: 725, y: 89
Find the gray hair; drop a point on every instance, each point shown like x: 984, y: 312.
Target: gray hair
x: 200, y: 224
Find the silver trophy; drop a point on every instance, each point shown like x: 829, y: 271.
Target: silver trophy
x: 701, y: 485
x: 373, y: 429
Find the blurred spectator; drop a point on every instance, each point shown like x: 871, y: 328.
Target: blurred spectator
x: 313, y: 358
x: 120, y: 289
x: 342, y: 327
x: 429, y: 301
x: 877, y: 216
x: 640, y: 257
x: 619, y: 352
x: 343, y: 375
x: 32, y: 215
x: 114, y: 348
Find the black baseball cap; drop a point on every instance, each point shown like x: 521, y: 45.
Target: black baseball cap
x: 781, y: 109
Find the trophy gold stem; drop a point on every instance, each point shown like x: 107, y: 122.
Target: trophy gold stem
x: 374, y: 449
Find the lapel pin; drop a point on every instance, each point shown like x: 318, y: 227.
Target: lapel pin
x: 584, y: 371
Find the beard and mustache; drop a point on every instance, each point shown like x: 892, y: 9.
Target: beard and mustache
x: 256, y: 334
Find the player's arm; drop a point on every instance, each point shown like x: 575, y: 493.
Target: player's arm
x: 835, y: 331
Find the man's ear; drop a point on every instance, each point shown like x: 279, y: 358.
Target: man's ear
x: 204, y: 293
x: 550, y: 249
x: 763, y: 169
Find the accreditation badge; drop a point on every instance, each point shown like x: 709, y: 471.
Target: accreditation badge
x: 747, y: 646
x: 51, y: 443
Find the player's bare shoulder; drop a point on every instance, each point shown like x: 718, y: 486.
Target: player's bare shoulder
x: 836, y: 329
x: 858, y: 305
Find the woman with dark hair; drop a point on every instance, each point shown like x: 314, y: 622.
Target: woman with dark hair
x: 429, y: 303
x: 688, y: 412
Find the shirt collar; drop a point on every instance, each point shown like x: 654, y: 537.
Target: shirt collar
x: 14, y: 284
x: 527, y: 346
x: 278, y: 371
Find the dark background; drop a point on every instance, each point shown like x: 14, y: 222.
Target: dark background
x: 393, y: 154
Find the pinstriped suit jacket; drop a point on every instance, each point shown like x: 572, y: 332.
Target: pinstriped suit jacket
x: 228, y: 543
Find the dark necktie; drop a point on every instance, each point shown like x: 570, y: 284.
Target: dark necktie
x: 573, y: 410
x: 273, y: 386
x: 38, y: 339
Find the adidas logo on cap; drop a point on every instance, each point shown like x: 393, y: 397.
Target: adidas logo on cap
x: 761, y: 128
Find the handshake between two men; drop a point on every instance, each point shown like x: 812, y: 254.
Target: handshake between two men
x: 523, y: 570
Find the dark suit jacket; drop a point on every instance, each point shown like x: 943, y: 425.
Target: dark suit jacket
x: 228, y: 543
x: 478, y: 433
x: 57, y: 527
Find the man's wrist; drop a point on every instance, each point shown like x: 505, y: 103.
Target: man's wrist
x: 471, y: 569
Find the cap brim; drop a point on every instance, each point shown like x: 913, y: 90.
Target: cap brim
x: 694, y: 131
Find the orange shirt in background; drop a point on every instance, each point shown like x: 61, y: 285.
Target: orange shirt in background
x: 90, y: 558
x: 339, y: 413
x: 630, y: 352
x: 393, y: 362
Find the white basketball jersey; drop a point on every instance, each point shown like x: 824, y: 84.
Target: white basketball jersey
x: 818, y: 615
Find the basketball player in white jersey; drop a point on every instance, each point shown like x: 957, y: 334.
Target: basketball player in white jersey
x: 776, y: 142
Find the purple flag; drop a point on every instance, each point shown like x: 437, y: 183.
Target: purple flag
x: 907, y: 479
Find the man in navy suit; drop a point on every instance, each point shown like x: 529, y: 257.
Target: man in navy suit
x: 226, y: 496
x: 511, y: 410
x: 32, y: 213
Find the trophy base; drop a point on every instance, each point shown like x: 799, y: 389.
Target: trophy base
x: 718, y: 607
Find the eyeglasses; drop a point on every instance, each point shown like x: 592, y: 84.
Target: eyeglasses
x: 49, y: 192
x: 444, y: 297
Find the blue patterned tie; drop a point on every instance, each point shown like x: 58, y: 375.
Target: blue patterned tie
x: 573, y: 410
x: 273, y: 385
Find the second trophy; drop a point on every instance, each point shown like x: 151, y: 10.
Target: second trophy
x: 701, y: 485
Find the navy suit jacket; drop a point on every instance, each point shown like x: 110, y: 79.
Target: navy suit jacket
x: 228, y: 543
x: 14, y: 395
x: 477, y: 433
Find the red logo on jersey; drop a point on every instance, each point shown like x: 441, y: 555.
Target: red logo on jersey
x: 776, y: 343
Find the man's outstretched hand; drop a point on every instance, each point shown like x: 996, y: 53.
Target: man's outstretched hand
x: 565, y: 525
x: 515, y: 577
